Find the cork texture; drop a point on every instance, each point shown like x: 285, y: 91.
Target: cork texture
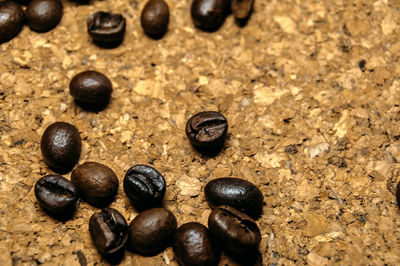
x: 311, y: 92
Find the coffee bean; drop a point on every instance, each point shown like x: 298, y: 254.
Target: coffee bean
x: 209, y: 15
x: 155, y: 17
x: 97, y: 183
x: 238, y: 193
x: 109, y: 231
x: 43, y: 15
x: 398, y: 194
x: 193, y: 245
x: 206, y: 131
x: 144, y: 186
x: 106, y: 28
x: 241, y: 8
x: 236, y: 232
x: 91, y: 90
x: 56, y: 194
x: 152, y: 230
x: 11, y: 20
x: 61, y: 146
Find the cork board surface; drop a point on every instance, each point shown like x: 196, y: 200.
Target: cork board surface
x: 311, y: 93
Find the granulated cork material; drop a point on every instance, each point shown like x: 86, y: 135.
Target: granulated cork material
x: 311, y: 93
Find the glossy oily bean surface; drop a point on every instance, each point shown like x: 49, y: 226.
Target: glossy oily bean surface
x: 90, y: 89
x: 236, y: 232
x: 109, y: 231
x: 105, y: 27
x: 61, y: 146
x: 241, y: 9
x: 56, y: 194
x: 152, y: 230
x: 155, y: 17
x: 97, y: 183
x: 192, y: 245
x: 238, y: 193
x: 43, y: 15
x: 11, y: 20
x: 398, y: 194
x: 144, y: 186
x: 209, y: 15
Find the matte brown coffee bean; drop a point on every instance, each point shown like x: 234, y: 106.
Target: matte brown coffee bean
x: 61, y: 146
x: 56, y: 194
x: 193, y: 246
x: 206, y: 131
x: 43, y: 15
x: 97, y: 183
x: 109, y: 231
x: 236, y: 232
x: 152, y: 231
x: 241, y: 8
x: 238, y: 193
x: 11, y: 20
x: 155, y: 17
x: 209, y: 15
x: 91, y: 89
x: 106, y: 28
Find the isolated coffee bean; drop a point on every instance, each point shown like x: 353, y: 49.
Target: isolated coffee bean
x: 236, y: 232
x: 238, y: 193
x: 155, y: 17
x: 207, y: 130
x: 209, y: 15
x: 56, y: 194
x: 109, y: 231
x: 11, y: 20
x: 97, y: 183
x: 192, y: 245
x: 106, y: 28
x: 61, y: 146
x: 144, y: 186
x: 241, y: 8
x: 91, y: 89
x: 152, y: 230
x: 43, y: 15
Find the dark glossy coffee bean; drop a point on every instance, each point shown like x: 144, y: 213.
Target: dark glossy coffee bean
x: 238, y: 193
x: 209, y: 14
x: 152, y: 231
x: 241, y: 8
x: 91, y: 89
x: 43, y: 15
x: 192, y: 245
x: 109, y: 231
x: 106, y: 28
x: 56, y: 194
x: 206, y: 131
x: 11, y: 20
x: 144, y: 186
x: 155, y: 17
x: 61, y: 146
x: 236, y: 232
x: 398, y: 194
x: 97, y: 183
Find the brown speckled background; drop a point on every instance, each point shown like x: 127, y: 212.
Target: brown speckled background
x: 317, y: 131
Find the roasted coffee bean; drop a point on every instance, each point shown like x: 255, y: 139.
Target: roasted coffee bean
x: 91, y: 89
x: 144, y: 186
x: 11, y: 20
x: 109, y: 231
x: 192, y: 245
x: 236, y: 232
x: 241, y: 8
x: 43, y: 15
x: 97, y: 183
x: 152, y: 230
x: 106, y: 28
x: 155, y: 17
x: 206, y: 131
x: 209, y: 15
x: 56, y: 194
x: 398, y: 194
x: 61, y: 146
x: 238, y: 193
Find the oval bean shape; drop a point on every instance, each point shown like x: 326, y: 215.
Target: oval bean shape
x: 155, y: 18
x: 209, y: 15
x: 43, y: 15
x: 12, y: 20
